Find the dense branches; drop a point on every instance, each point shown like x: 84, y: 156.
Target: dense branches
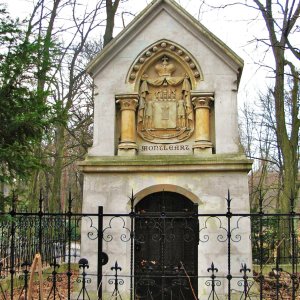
x: 23, y: 112
x: 46, y: 95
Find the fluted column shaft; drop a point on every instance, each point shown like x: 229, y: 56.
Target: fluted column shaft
x: 128, y: 104
x: 202, y: 103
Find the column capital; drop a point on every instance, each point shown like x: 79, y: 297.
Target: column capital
x: 128, y: 101
x: 202, y: 99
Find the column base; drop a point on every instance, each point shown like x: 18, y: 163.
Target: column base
x: 127, y: 149
x: 202, y: 148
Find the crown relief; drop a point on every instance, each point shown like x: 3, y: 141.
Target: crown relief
x: 165, y: 69
x: 169, y: 47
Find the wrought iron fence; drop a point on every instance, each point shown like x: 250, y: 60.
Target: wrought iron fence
x: 272, y: 273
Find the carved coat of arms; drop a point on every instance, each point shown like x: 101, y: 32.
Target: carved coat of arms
x: 165, y: 113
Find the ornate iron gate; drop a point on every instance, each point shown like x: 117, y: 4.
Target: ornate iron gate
x: 166, y: 247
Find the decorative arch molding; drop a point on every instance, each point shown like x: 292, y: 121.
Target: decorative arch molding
x: 157, y: 50
x: 167, y: 188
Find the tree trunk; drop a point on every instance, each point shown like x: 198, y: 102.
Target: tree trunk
x: 55, y: 203
x: 111, y: 9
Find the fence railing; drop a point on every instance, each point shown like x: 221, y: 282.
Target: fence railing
x: 270, y: 272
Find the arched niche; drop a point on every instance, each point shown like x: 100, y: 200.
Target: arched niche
x: 164, y: 75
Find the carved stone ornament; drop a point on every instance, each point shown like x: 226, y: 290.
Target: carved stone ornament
x: 169, y: 48
x: 165, y: 112
x: 202, y: 100
x: 127, y: 103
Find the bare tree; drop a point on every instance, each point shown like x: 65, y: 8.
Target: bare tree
x: 65, y: 31
x: 258, y: 136
x: 288, y: 138
x: 281, y: 20
x: 71, y: 85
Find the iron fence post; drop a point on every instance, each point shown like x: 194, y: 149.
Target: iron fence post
x: 244, y: 271
x: 261, y: 249
x: 228, y: 216
x: 12, y: 245
x: 69, y: 273
x: 40, y: 222
x: 213, y: 276
x: 293, y: 244
x: 277, y: 271
x: 100, y: 250
x: 132, y: 215
x: 54, y: 279
x: 25, y: 265
x: 84, y: 264
x: 116, y: 281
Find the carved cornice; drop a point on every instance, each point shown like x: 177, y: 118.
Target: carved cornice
x: 202, y: 100
x: 171, y: 163
x: 158, y: 48
x: 127, y: 101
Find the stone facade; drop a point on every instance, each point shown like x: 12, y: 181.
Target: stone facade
x: 166, y: 120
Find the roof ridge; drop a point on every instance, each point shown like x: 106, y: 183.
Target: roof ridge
x: 108, y: 49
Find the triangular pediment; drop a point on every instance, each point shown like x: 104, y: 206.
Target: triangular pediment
x: 151, y: 12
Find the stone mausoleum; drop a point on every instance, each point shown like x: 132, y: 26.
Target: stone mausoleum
x: 165, y: 128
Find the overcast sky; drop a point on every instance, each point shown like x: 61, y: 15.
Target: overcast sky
x: 236, y: 26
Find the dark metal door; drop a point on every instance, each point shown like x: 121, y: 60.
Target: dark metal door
x: 166, y: 242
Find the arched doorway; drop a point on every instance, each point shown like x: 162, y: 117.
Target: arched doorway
x: 166, y: 242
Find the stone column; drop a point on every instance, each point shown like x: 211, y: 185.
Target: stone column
x: 202, y: 103
x: 128, y: 104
